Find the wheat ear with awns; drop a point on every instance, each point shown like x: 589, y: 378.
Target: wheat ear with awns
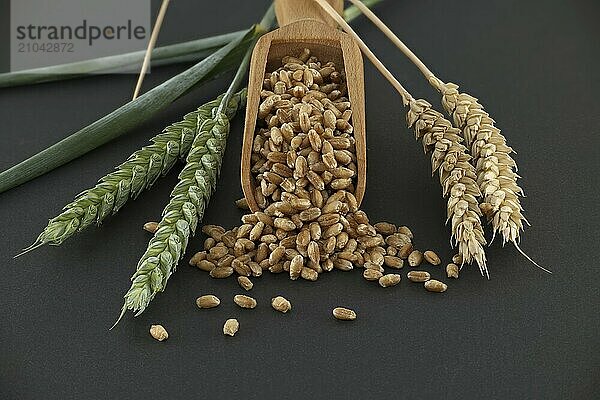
x: 189, y: 198
x: 449, y: 158
x: 491, y: 156
x: 139, y: 172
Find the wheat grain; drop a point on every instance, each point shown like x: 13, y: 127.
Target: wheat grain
x: 159, y: 333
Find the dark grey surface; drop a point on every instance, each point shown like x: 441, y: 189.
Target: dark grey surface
x: 521, y: 335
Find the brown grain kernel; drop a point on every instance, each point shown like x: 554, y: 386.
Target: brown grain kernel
x: 249, y: 219
x: 269, y: 239
x: 361, y: 217
x: 457, y: 259
x: 406, y: 231
x: 221, y: 272
x: 245, y: 282
x: 244, y: 301
x: 370, y: 241
x: 242, y: 204
x: 309, y: 274
x: 398, y: 240
x: 432, y: 258
x: 277, y: 268
x: 415, y: 258
x: 452, y: 270
x: 389, y: 280
x: 228, y: 239
x: 256, y: 231
x: 264, y: 218
x: 281, y: 304
x: 289, y: 242
x: 333, y: 206
x: 405, y: 251
x: 435, y: 286
x: 326, y: 220
x: 243, y: 231
x: 372, y: 274
x: 313, y: 252
x: 205, y: 265
x: 418, y: 276
x: 342, y: 265
x: 341, y: 240
x: 371, y: 265
x: 262, y: 252
x: 208, y: 301
x: 376, y: 257
x: 346, y: 255
x: 209, y: 243
x: 366, y: 229
x: 285, y: 224
x: 159, y: 333
x: 213, y: 231
x: 276, y: 255
x: 151, y: 226
x: 301, y: 204
x: 303, y: 238
x: 241, y: 269
x: 196, y: 258
x: 344, y: 314
x: 231, y: 327
x: 393, y: 262
x: 391, y: 251
x: 333, y: 230
x: 385, y: 228
x: 255, y: 268
x: 296, y: 266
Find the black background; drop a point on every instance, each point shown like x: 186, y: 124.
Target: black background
x: 522, y: 334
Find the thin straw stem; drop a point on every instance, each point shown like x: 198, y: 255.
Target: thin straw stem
x: 151, y: 44
x: 406, y: 96
x: 396, y: 40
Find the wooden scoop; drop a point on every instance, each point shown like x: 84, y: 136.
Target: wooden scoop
x: 303, y: 24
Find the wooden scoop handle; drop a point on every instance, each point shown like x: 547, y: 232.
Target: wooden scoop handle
x: 288, y: 11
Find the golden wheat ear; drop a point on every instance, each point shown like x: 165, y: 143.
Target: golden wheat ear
x: 491, y: 156
x: 449, y: 158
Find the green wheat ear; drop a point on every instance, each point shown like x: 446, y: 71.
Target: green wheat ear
x: 189, y: 198
x: 139, y: 172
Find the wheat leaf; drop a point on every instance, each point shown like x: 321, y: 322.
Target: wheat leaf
x: 125, y: 117
x: 194, y: 50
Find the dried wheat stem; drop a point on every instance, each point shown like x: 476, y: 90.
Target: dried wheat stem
x: 151, y: 44
x: 406, y: 96
x: 449, y: 158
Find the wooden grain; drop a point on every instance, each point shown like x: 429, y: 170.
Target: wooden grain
x: 327, y: 43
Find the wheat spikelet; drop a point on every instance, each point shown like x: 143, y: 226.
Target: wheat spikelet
x: 138, y: 173
x: 197, y: 181
x: 457, y: 177
x: 496, y: 169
